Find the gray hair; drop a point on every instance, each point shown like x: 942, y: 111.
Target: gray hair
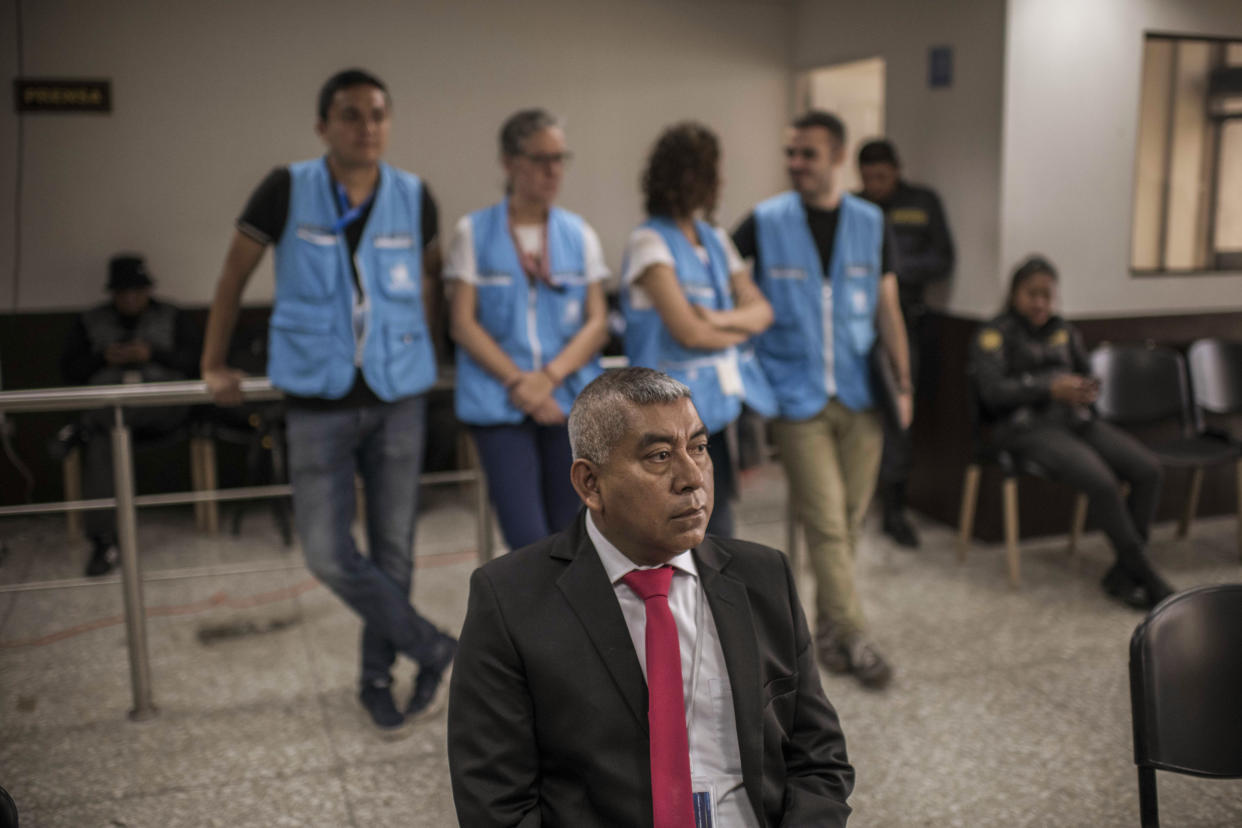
x: 599, y: 417
x: 521, y: 125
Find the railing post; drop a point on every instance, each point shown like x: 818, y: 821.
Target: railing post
x: 131, y: 576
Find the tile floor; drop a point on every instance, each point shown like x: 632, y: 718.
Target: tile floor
x: 1009, y: 708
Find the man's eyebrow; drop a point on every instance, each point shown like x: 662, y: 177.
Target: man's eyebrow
x: 702, y: 432
x: 651, y: 438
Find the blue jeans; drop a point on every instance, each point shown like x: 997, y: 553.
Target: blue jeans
x: 383, y: 443
x: 527, y: 468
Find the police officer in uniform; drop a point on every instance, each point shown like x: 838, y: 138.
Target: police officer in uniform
x: 356, y: 253
x: 131, y: 338
x: 924, y: 255
x: 1033, y: 381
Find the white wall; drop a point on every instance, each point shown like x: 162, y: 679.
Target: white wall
x: 1072, y: 85
x: 209, y: 96
x: 948, y: 138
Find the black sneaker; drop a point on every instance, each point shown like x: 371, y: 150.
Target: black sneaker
x: 103, y: 560
x: 431, y: 684
x: 867, y: 665
x: 376, y: 699
x: 899, y: 529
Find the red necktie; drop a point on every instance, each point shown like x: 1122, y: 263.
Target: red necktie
x: 666, y: 705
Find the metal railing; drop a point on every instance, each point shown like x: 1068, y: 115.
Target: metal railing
x: 126, y: 502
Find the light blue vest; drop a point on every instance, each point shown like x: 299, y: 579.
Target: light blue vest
x: 532, y: 323
x: 792, y: 277
x: 649, y: 343
x: 316, y: 343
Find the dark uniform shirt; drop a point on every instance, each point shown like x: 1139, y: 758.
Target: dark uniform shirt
x: 264, y: 220
x: 924, y: 245
x: 1013, y: 366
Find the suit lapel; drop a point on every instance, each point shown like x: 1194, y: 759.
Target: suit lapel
x: 585, y: 586
x: 734, y: 625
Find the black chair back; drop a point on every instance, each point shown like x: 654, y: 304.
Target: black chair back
x: 1216, y: 375
x: 1185, y: 688
x: 8, y: 810
x: 1141, y: 384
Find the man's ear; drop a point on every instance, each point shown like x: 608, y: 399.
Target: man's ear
x: 585, y: 477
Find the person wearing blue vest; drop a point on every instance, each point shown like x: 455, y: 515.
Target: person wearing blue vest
x: 823, y: 258
x: 529, y: 317
x: 691, y: 308
x: 356, y: 253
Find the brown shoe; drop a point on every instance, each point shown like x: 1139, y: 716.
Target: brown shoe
x: 867, y: 665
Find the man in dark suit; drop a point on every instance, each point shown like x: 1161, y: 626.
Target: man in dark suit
x: 551, y: 719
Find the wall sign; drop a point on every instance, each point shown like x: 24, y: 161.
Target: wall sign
x: 62, y: 95
x: 940, y: 66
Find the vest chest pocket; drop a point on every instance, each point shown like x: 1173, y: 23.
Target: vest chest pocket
x: 860, y: 317
x: 496, y: 303
x: 317, y: 254
x: 568, y: 307
x: 399, y: 274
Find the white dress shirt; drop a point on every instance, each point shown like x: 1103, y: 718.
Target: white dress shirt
x: 711, y: 723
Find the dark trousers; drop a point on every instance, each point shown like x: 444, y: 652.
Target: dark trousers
x: 1096, y: 459
x: 97, y: 475
x: 527, y: 468
x: 721, y: 521
x: 898, y: 456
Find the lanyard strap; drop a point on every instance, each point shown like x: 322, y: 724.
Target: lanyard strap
x: 348, y: 214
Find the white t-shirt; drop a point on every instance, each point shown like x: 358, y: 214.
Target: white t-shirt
x: 461, y: 264
x: 646, y: 247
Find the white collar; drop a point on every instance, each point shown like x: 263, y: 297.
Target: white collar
x: 617, y: 565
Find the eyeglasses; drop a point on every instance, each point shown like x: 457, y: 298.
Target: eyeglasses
x: 549, y: 159
x: 805, y: 153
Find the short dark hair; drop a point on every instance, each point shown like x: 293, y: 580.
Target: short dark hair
x: 682, y: 172
x: 1030, y: 266
x: 344, y: 80
x: 825, y: 119
x: 601, y: 414
x: 878, y: 151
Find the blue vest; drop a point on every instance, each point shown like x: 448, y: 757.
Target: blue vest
x: 792, y: 277
x: 316, y: 343
x: 649, y: 343
x: 531, y: 322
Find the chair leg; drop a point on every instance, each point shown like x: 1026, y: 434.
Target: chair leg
x: 211, y: 508
x: 196, y: 483
x: 1149, y: 810
x: 71, y: 473
x: 966, y: 517
x: 1010, y: 492
x: 1080, y: 521
x: 1192, y: 502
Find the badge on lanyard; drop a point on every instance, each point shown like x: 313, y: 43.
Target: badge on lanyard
x: 704, y: 798
x: 729, y: 374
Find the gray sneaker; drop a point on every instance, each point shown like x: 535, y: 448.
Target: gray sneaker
x: 830, y: 649
x: 867, y: 665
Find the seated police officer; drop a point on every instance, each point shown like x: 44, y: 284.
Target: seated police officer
x: 132, y: 338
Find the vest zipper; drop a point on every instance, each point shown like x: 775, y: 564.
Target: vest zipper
x: 362, y: 327
x: 532, y: 332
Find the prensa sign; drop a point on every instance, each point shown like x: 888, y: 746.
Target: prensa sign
x: 59, y: 95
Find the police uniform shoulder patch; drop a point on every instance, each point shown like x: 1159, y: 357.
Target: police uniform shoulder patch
x: 1059, y: 337
x: 990, y: 339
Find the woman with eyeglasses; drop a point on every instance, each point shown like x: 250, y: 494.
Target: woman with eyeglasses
x: 528, y: 314
x: 690, y: 305
x: 1036, y: 391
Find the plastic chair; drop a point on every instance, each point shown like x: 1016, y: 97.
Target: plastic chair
x: 1185, y: 683
x: 984, y: 453
x: 1147, y: 385
x: 8, y: 810
x: 1216, y: 380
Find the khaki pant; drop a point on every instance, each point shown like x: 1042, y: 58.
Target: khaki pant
x: 831, y: 462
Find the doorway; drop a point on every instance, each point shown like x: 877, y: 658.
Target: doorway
x: 854, y: 92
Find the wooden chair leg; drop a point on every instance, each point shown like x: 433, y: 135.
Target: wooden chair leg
x: 1080, y: 521
x: 966, y: 516
x: 1010, y: 492
x: 211, y: 509
x: 196, y: 483
x: 71, y: 474
x: 1192, y: 502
